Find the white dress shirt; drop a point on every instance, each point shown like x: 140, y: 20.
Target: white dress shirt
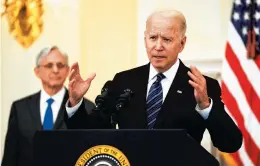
x: 72, y: 110
x: 58, y: 97
x: 167, y: 82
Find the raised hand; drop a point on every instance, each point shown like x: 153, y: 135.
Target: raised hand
x: 77, y: 86
x: 199, y: 84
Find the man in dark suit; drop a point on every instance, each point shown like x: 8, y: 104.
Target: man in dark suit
x: 167, y: 94
x: 44, y: 110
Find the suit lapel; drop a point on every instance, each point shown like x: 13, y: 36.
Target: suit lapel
x: 141, y: 87
x: 60, y: 117
x: 135, y: 115
x: 34, y: 105
x: 174, y: 94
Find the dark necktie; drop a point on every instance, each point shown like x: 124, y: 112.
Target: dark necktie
x: 48, y: 118
x: 154, y: 100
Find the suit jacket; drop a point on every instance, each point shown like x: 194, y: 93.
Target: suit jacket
x: 178, y: 109
x: 24, y: 121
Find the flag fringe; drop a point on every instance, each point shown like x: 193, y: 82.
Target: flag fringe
x: 228, y: 159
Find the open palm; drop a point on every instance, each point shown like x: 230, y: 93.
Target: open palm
x: 77, y: 86
x: 200, y: 87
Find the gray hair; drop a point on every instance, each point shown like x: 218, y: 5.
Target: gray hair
x: 45, y: 51
x: 171, y: 14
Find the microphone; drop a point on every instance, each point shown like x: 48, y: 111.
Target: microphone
x: 104, y: 102
x: 102, y: 99
x: 124, y: 99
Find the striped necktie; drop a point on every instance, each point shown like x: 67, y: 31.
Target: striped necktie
x: 154, y: 100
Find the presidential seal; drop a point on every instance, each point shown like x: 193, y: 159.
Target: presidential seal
x: 102, y: 155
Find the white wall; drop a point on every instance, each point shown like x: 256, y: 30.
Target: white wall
x: 1, y: 129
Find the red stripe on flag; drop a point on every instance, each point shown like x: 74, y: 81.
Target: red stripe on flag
x: 236, y: 157
x: 250, y: 146
x: 251, y: 95
x: 257, y: 61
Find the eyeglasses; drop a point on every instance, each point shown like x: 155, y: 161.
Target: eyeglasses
x: 51, y: 65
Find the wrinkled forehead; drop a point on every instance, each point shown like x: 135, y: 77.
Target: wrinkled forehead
x: 54, y: 56
x: 162, y: 25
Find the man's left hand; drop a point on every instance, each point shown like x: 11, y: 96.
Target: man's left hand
x: 199, y: 84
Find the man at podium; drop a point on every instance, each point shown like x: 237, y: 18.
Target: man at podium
x: 166, y: 93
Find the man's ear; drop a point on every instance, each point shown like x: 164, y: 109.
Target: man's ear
x: 183, y: 42
x: 36, y: 71
x: 145, y: 38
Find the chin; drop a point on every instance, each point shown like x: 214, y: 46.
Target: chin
x: 56, y: 85
x: 158, y: 65
x: 159, y: 68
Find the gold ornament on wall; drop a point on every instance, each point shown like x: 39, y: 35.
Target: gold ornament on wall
x: 24, y: 20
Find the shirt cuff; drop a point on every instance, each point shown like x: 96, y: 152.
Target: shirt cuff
x: 71, y: 110
x: 205, y: 112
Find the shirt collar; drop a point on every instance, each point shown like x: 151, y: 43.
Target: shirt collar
x: 169, y: 74
x: 58, y: 97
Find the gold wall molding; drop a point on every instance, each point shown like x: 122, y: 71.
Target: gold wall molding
x: 24, y: 18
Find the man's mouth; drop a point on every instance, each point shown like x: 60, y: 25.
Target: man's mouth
x: 55, y: 78
x: 158, y: 57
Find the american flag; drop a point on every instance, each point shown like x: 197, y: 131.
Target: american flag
x: 241, y: 78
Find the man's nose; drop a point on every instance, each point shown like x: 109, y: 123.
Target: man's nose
x: 55, y: 68
x: 159, y: 46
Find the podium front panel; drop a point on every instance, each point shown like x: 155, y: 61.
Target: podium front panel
x: 139, y: 147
